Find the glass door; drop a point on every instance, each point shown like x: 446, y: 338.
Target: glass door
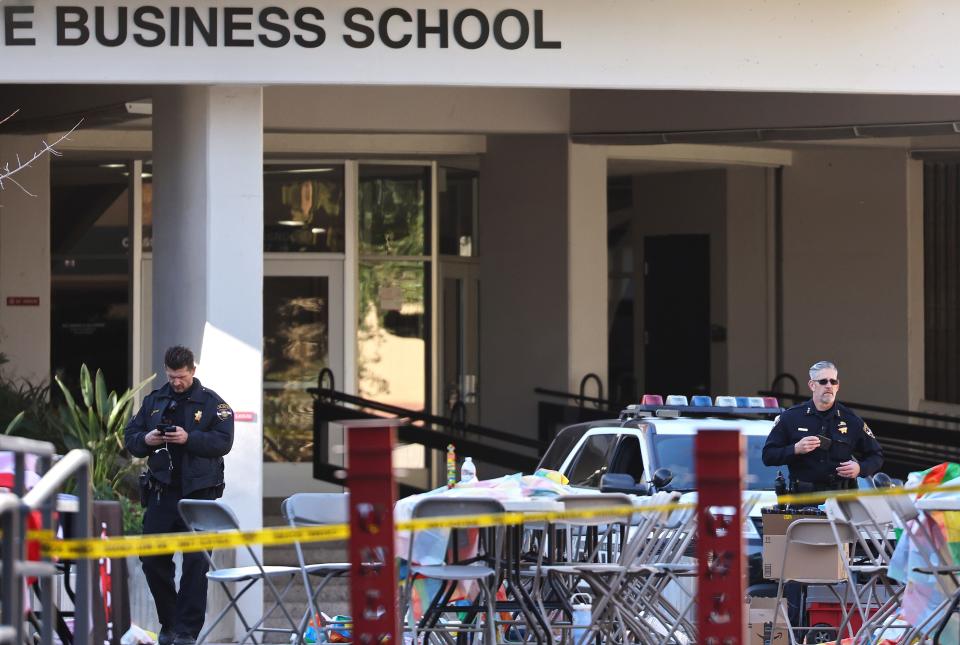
x: 460, y: 338
x: 302, y: 335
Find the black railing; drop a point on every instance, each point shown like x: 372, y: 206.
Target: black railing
x: 481, y: 443
x: 552, y: 417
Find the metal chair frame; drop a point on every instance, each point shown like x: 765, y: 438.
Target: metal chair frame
x: 316, y: 509
x: 485, y: 572
x: 212, y: 515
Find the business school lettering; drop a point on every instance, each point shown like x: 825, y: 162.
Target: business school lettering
x: 276, y: 27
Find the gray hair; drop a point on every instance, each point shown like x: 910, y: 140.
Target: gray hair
x: 821, y: 365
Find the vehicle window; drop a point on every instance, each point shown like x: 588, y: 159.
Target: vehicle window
x: 676, y: 453
x: 590, y: 463
x: 628, y: 458
x: 562, y: 444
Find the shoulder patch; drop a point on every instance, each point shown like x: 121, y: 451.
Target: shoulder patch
x: 868, y: 431
x: 777, y: 420
x: 223, y: 411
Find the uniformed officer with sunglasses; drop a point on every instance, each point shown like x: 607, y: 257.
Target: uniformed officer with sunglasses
x: 824, y: 445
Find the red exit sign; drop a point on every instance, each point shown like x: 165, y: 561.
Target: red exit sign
x: 23, y: 301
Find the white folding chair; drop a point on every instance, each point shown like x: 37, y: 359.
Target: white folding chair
x: 211, y: 515
x: 316, y: 509
x: 595, y: 539
x: 814, y: 533
x: 617, y: 609
x: 938, y: 562
x: 871, y: 521
x: 484, y: 572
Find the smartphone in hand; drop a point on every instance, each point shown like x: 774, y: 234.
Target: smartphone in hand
x: 165, y: 428
x: 825, y: 441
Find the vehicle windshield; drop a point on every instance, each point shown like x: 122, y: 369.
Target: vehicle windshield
x: 676, y: 453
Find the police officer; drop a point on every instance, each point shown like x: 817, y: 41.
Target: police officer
x: 184, y: 429
x: 824, y: 445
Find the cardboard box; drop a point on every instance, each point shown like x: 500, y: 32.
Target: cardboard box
x: 761, y: 634
x: 806, y: 562
x: 760, y: 622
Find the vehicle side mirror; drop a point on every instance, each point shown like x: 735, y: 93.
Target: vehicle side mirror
x: 621, y: 483
x: 662, y: 478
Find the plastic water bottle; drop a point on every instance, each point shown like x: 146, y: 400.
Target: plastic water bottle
x: 468, y: 471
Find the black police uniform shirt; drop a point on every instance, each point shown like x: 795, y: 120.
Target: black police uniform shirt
x: 850, y: 436
x: 208, y: 421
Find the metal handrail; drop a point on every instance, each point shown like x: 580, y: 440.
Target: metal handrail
x: 56, y: 477
x: 13, y: 511
x: 25, y: 446
x: 483, y: 432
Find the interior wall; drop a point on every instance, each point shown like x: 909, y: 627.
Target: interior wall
x: 523, y: 277
x: 749, y: 281
x: 686, y: 203
x: 845, y: 269
x: 25, y: 263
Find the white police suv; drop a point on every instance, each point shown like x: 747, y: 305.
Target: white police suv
x: 651, y: 447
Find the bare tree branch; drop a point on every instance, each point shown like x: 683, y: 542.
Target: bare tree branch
x: 9, y: 116
x: 7, y: 173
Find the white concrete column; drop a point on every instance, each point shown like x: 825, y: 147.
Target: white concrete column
x: 25, y: 262
x: 587, y: 277
x: 208, y: 263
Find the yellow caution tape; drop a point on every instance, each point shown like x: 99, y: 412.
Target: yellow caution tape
x: 163, y: 543
x: 145, y: 545
x: 819, y: 497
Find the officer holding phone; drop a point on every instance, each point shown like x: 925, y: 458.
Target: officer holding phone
x: 184, y: 430
x: 822, y: 442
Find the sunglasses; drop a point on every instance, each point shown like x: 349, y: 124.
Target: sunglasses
x: 824, y: 381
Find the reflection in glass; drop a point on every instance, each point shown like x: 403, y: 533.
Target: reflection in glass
x: 392, y: 333
x: 303, y: 208
x: 394, y: 206
x: 295, y: 348
x: 459, y: 207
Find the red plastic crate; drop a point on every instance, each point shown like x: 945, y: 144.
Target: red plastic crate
x: 828, y: 613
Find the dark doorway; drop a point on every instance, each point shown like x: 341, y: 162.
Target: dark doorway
x: 676, y: 305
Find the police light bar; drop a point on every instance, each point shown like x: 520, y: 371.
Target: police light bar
x: 702, y: 406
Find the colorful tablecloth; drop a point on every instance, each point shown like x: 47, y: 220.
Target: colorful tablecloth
x: 919, y: 548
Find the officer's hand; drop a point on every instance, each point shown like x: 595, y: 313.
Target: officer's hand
x: 154, y: 438
x: 177, y: 436
x: 805, y: 445
x: 848, y: 469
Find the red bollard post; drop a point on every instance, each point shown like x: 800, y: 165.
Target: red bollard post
x: 373, y: 491
x: 721, y: 586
